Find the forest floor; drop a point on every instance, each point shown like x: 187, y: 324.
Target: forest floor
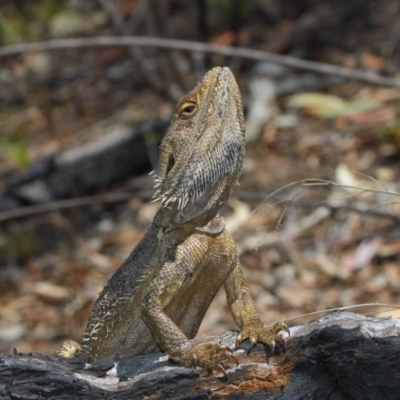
x: 316, y: 217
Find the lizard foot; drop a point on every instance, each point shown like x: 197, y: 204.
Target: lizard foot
x: 208, y: 355
x: 267, y: 336
x: 69, y: 349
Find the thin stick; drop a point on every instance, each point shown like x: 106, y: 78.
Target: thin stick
x: 324, y: 182
x: 143, y: 41
x: 330, y: 310
x: 64, y: 205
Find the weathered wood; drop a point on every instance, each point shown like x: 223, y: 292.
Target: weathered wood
x: 340, y: 356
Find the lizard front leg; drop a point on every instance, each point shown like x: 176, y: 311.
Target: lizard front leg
x: 165, y: 287
x: 247, y: 317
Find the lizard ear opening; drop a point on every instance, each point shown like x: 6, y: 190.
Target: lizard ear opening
x: 171, y: 163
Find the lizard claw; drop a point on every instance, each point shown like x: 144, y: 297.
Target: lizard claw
x: 267, y: 336
x: 222, y: 369
x: 272, y: 344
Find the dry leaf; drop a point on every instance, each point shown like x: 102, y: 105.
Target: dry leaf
x: 329, y: 106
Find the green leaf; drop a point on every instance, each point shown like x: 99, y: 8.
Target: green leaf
x: 18, y: 151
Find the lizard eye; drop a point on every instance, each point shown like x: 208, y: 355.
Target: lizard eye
x: 188, y: 110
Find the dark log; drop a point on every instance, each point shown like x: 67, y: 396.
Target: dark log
x: 87, y: 169
x: 340, y: 356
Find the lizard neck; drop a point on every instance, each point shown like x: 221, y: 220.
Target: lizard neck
x: 205, y: 223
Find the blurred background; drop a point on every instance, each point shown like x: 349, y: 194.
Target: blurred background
x: 316, y: 217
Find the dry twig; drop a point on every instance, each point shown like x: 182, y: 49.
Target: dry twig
x: 59, y: 205
x: 143, y: 41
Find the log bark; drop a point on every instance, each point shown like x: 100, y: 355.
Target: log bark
x: 340, y: 356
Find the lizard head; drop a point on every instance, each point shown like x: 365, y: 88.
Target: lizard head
x: 202, y: 152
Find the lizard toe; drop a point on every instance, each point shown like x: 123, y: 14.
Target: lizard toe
x: 279, y: 326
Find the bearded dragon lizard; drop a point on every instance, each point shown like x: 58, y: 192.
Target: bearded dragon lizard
x: 158, y: 297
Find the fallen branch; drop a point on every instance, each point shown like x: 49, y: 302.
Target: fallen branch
x: 144, y: 41
x: 341, y: 356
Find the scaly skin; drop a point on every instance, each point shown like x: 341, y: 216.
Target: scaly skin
x: 158, y: 297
